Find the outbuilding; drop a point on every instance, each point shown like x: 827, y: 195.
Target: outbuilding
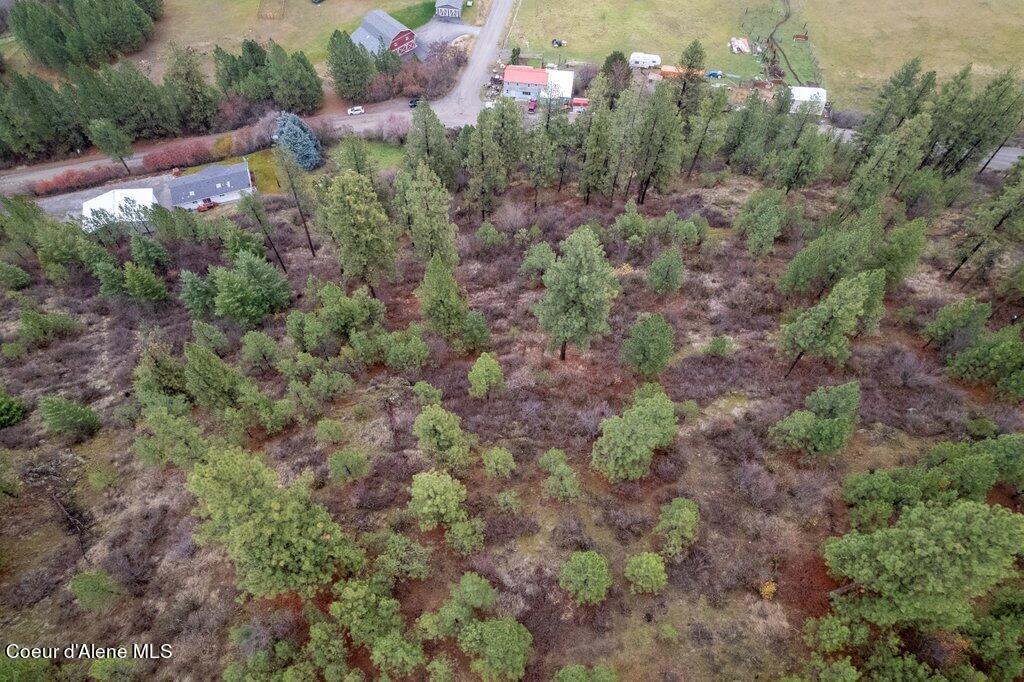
x: 380, y: 28
x: 213, y: 184
x: 448, y: 10
x: 814, y: 98
x: 642, y: 60
x: 118, y: 204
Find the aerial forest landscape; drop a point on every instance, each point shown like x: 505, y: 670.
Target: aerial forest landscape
x: 507, y: 340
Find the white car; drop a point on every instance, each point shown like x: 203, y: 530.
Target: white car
x: 356, y: 111
x: 489, y: 104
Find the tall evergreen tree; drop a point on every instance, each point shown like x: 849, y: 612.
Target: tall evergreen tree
x: 423, y: 206
x: 294, y: 83
x: 508, y: 134
x: 41, y: 31
x: 36, y: 119
x: 539, y: 162
x: 364, y: 238
x: 580, y: 289
x: 707, y: 130
x: 626, y: 123
x: 803, y: 164
x: 902, y: 97
x: 659, y: 144
x: 595, y: 175
x: 991, y: 220
x: 186, y: 84
x: 691, y: 87
x: 293, y: 134
x: 428, y: 142
x: 350, y: 65
x: 111, y: 140
x: 485, y: 164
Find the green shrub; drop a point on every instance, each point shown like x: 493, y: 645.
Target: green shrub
x: 646, y: 573
x: 441, y: 437
x: 329, y: 432
x: 111, y: 279
x: 426, y: 393
x: 586, y: 577
x: 12, y: 277
x: 348, y: 465
x: 499, y: 648
x: 485, y: 377
x: 149, y: 253
x: 476, y: 335
x: 498, y: 463
x: 465, y: 536
x: 68, y: 418
x: 441, y: 669
x: 826, y: 425
x: 509, y: 502
x: 114, y: 669
x: 489, y: 236
x: 665, y: 274
x: 197, y: 294
x: 979, y: 428
x: 536, y: 261
x: 436, y: 499
x: 578, y: 672
x: 206, y: 334
x: 650, y: 345
x: 677, y: 526
x: 39, y: 329
x: 668, y: 634
x: 405, y: 350
x: 627, y: 443
x: 94, y: 590
x: 142, y: 283
x: 101, y: 476
x: 719, y: 347
x: 249, y: 291
x: 260, y: 351
x: 12, y: 410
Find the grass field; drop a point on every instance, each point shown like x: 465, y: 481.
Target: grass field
x: 298, y: 24
x: 663, y: 27
x: 859, y: 43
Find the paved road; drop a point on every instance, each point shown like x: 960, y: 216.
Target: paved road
x: 1003, y: 160
x: 457, y: 108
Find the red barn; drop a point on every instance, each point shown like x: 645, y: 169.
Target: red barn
x: 379, y: 28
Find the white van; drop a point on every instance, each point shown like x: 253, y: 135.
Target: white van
x: 355, y: 111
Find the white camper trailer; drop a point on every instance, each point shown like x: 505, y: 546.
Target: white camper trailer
x: 642, y: 60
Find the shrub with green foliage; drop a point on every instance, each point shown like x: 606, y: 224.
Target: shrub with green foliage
x: 260, y: 351
x: 965, y: 319
x: 489, y: 236
x: 665, y: 274
x: 761, y: 220
x: 348, y: 465
x: 486, y: 377
x: 37, y: 329
x: 826, y: 425
x: 206, y: 334
x: 630, y: 226
x: 95, y: 590
x: 329, y: 432
x: 719, y: 347
x: 405, y: 350
x: 561, y: 483
x: 12, y: 410
x: 68, y: 418
x: 465, y: 536
x: 437, y: 499
x: 441, y: 437
x: 577, y: 672
x: 12, y: 277
x: 995, y: 357
x: 650, y: 345
x: 143, y: 284
x: 646, y: 573
x: 498, y: 648
x: 536, y: 262
x: 210, y: 381
x: 498, y: 462
x: 509, y: 501
x: 426, y: 393
x: 585, y: 576
x: 627, y: 443
x: 197, y: 294
x: 169, y: 438
x: 249, y: 291
x: 149, y: 253
x: 677, y: 526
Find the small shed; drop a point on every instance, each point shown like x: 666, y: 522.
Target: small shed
x: 814, y: 98
x: 448, y: 10
x: 579, y: 104
x: 559, y: 86
x: 118, y: 204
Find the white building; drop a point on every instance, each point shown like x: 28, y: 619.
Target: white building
x: 525, y: 83
x: 815, y: 98
x: 642, y: 60
x: 117, y: 205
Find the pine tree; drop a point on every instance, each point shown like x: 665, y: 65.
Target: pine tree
x: 364, y: 238
x: 427, y: 142
x: 826, y: 425
x: 539, y: 160
x: 594, y: 174
x: 626, y: 121
x: 580, y: 288
x: 803, y: 164
x: 41, y: 32
x: 142, y: 283
x: 354, y: 154
x: 111, y: 140
x: 902, y: 252
x: 422, y: 204
x: 293, y: 133
x: 508, y: 134
x: 68, y: 418
x: 761, y: 220
x: 991, y: 219
x: 691, y: 87
x: 350, y: 65
x: 824, y: 329
x: 289, y: 176
x: 486, y: 164
x: 899, y: 99
x: 249, y: 291
x: 659, y: 145
x: 707, y: 130
x: 441, y: 303
x: 485, y: 376
x: 294, y: 83
x: 36, y: 119
x: 194, y: 98
x: 650, y: 345
x: 665, y: 274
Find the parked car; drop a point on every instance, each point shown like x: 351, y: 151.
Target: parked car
x: 532, y: 107
x: 489, y: 104
x: 317, y: 2
x: 356, y: 111
x: 208, y: 204
x: 414, y: 102
x: 714, y: 74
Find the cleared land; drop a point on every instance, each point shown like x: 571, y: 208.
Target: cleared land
x: 860, y: 42
x: 664, y: 27
x: 297, y: 25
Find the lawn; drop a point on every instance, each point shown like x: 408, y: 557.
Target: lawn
x: 297, y: 24
x: 663, y: 27
x: 382, y: 155
x: 859, y: 43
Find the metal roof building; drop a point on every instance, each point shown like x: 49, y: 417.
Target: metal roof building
x: 213, y: 183
x: 380, y: 27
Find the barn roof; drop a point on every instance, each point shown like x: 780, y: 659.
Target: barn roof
x: 210, y: 182
x: 457, y: 4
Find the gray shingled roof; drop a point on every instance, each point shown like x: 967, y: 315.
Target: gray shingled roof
x: 204, y: 183
x: 457, y: 4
